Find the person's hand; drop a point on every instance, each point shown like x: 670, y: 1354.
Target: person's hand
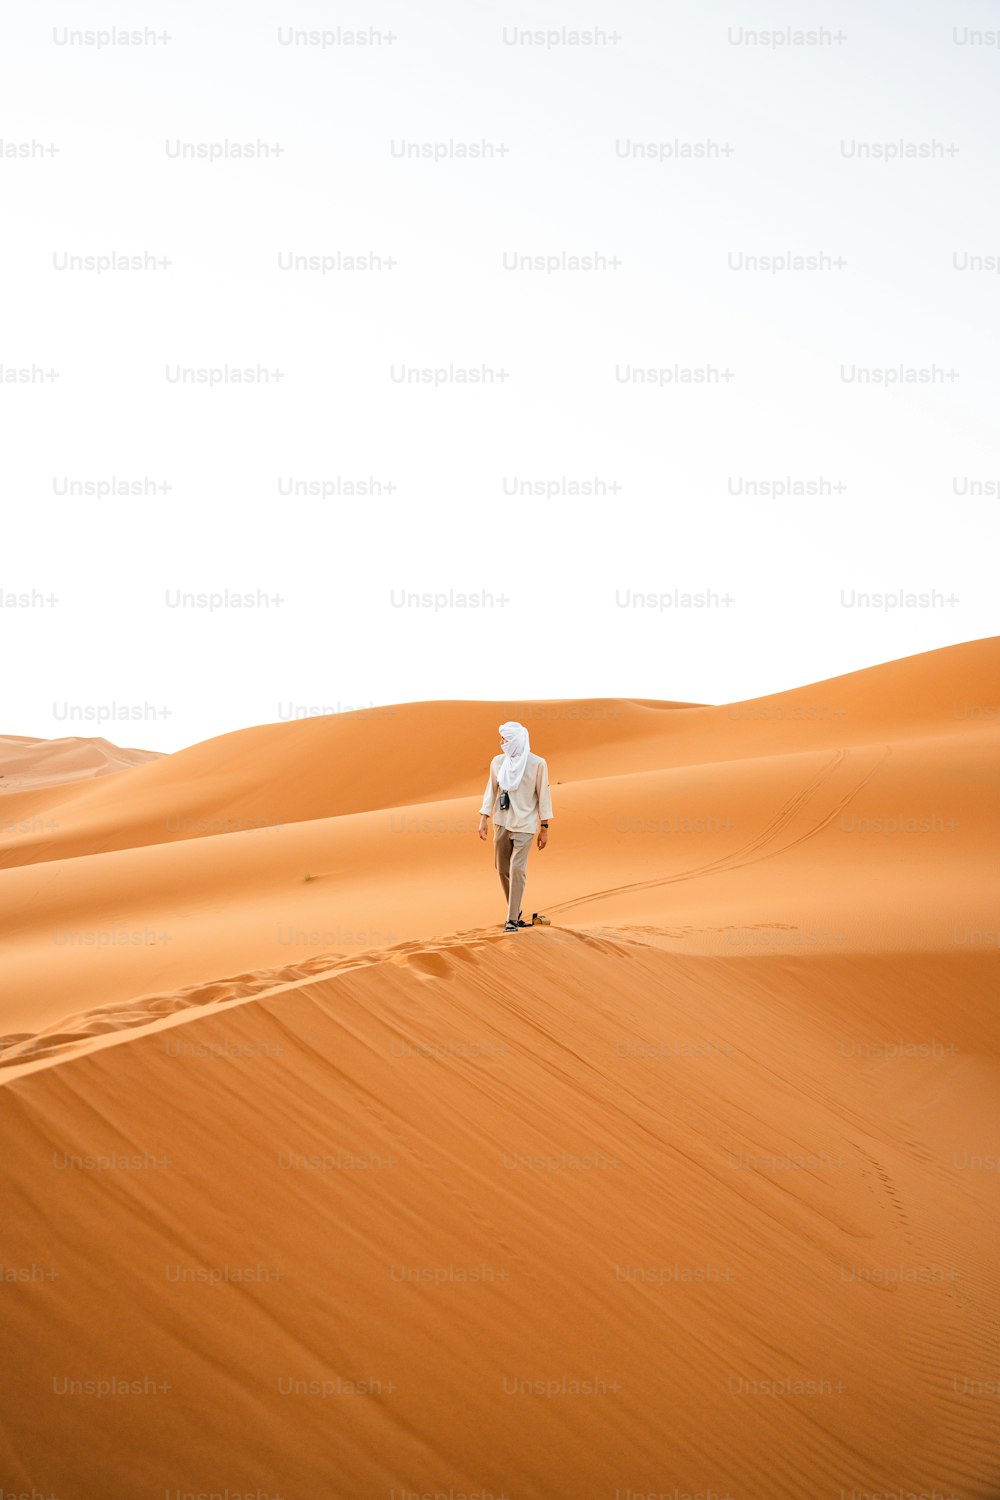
x: 483, y: 827
x: 543, y: 837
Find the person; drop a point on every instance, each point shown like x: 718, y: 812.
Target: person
x: 518, y: 797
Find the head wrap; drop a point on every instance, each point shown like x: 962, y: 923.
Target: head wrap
x: 515, y: 755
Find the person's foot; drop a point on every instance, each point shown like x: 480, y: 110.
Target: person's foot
x: 510, y: 927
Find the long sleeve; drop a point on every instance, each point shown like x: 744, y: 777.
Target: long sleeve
x: 490, y: 794
x: 544, y: 795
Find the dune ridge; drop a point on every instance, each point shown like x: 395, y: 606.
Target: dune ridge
x: 735, y: 821
x: 680, y: 1217
x: 336, y: 764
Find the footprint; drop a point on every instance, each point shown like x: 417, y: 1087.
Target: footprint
x: 428, y: 961
x: 891, y: 1193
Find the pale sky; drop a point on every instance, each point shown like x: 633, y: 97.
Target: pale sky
x: 535, y: 470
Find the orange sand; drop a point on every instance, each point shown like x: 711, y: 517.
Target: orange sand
x: 695, y: 1190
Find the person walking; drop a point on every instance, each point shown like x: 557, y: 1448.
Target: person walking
x: 518, y: 797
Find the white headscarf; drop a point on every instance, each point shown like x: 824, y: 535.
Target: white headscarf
x: 515, y: 755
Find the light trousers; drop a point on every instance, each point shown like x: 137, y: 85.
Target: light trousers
x: 510, y: 855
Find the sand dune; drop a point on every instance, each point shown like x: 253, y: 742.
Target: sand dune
x: 29, y: 764
x: 733, y: 828
x: 329, y: 766
x: 694, y: 1191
